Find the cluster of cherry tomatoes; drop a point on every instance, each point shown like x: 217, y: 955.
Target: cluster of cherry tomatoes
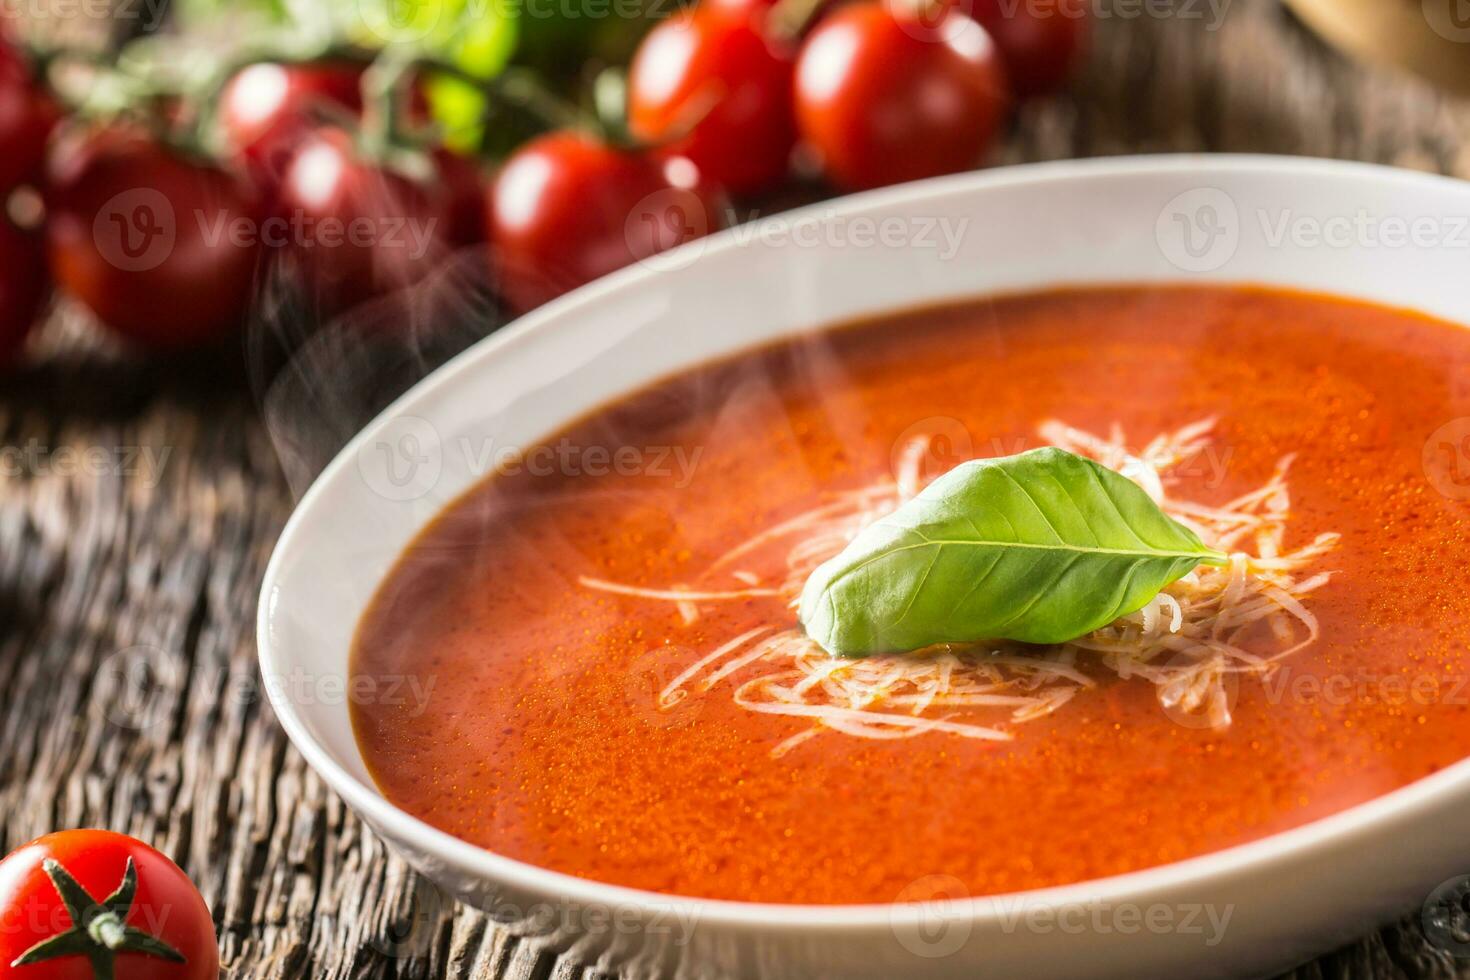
x: 165, y: 238
x: 727, y: 94
x: 166, y: 242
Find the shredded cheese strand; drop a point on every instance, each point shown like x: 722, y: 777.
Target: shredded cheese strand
x: 1211, y: 623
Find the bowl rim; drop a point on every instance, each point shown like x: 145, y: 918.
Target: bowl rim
x: 1140, y: 886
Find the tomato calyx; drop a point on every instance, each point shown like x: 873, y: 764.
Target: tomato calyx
x: 99, y: 929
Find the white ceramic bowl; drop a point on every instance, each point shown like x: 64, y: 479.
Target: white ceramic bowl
x: 1391, y: 236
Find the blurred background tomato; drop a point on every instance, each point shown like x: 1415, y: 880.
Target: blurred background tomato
x: 224, y: 169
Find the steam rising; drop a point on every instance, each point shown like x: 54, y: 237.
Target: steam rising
x: 318, y: 383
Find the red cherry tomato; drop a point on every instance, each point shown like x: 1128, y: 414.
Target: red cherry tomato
x: 882, y: 97
x: 749, y: 9
x: 27, y: 117
x: 24, y: 286
x: 267, y: 109
x: 358, y: 231
x: 568, y: 208
x: 710, y: 86
x: 1041, y: 45
x: 464, y: 189
x: 142, y: 914
x: 161, y: 248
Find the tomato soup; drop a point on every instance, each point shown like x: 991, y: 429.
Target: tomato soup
x: 543, y: 734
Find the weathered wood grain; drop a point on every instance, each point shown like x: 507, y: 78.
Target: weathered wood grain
x: 128, y: 691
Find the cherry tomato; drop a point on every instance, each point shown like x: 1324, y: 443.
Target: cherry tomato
x: 27, y: 117
x: 750, y: 9
x: 567, y: 208
x: 162, y: 248
x: 24, y: 286
x: 267, y: 109
x: 74, y: 903
x: 465, y: 191
x: 883, y: 97
x: 710, y: 86
x: 357, y: 230
x: 1041, y: 46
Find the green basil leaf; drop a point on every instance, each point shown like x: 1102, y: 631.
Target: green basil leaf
x: 1041, y: 547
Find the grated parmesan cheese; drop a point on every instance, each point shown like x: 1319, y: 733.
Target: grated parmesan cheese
x: 1186, y: 641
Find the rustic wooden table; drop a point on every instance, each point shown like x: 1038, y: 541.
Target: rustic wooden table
x: 140, y: 501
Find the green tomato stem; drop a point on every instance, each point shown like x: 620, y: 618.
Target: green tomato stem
x: 107, y: 929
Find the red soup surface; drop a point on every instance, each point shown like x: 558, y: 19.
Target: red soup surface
x: 539, y: 733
